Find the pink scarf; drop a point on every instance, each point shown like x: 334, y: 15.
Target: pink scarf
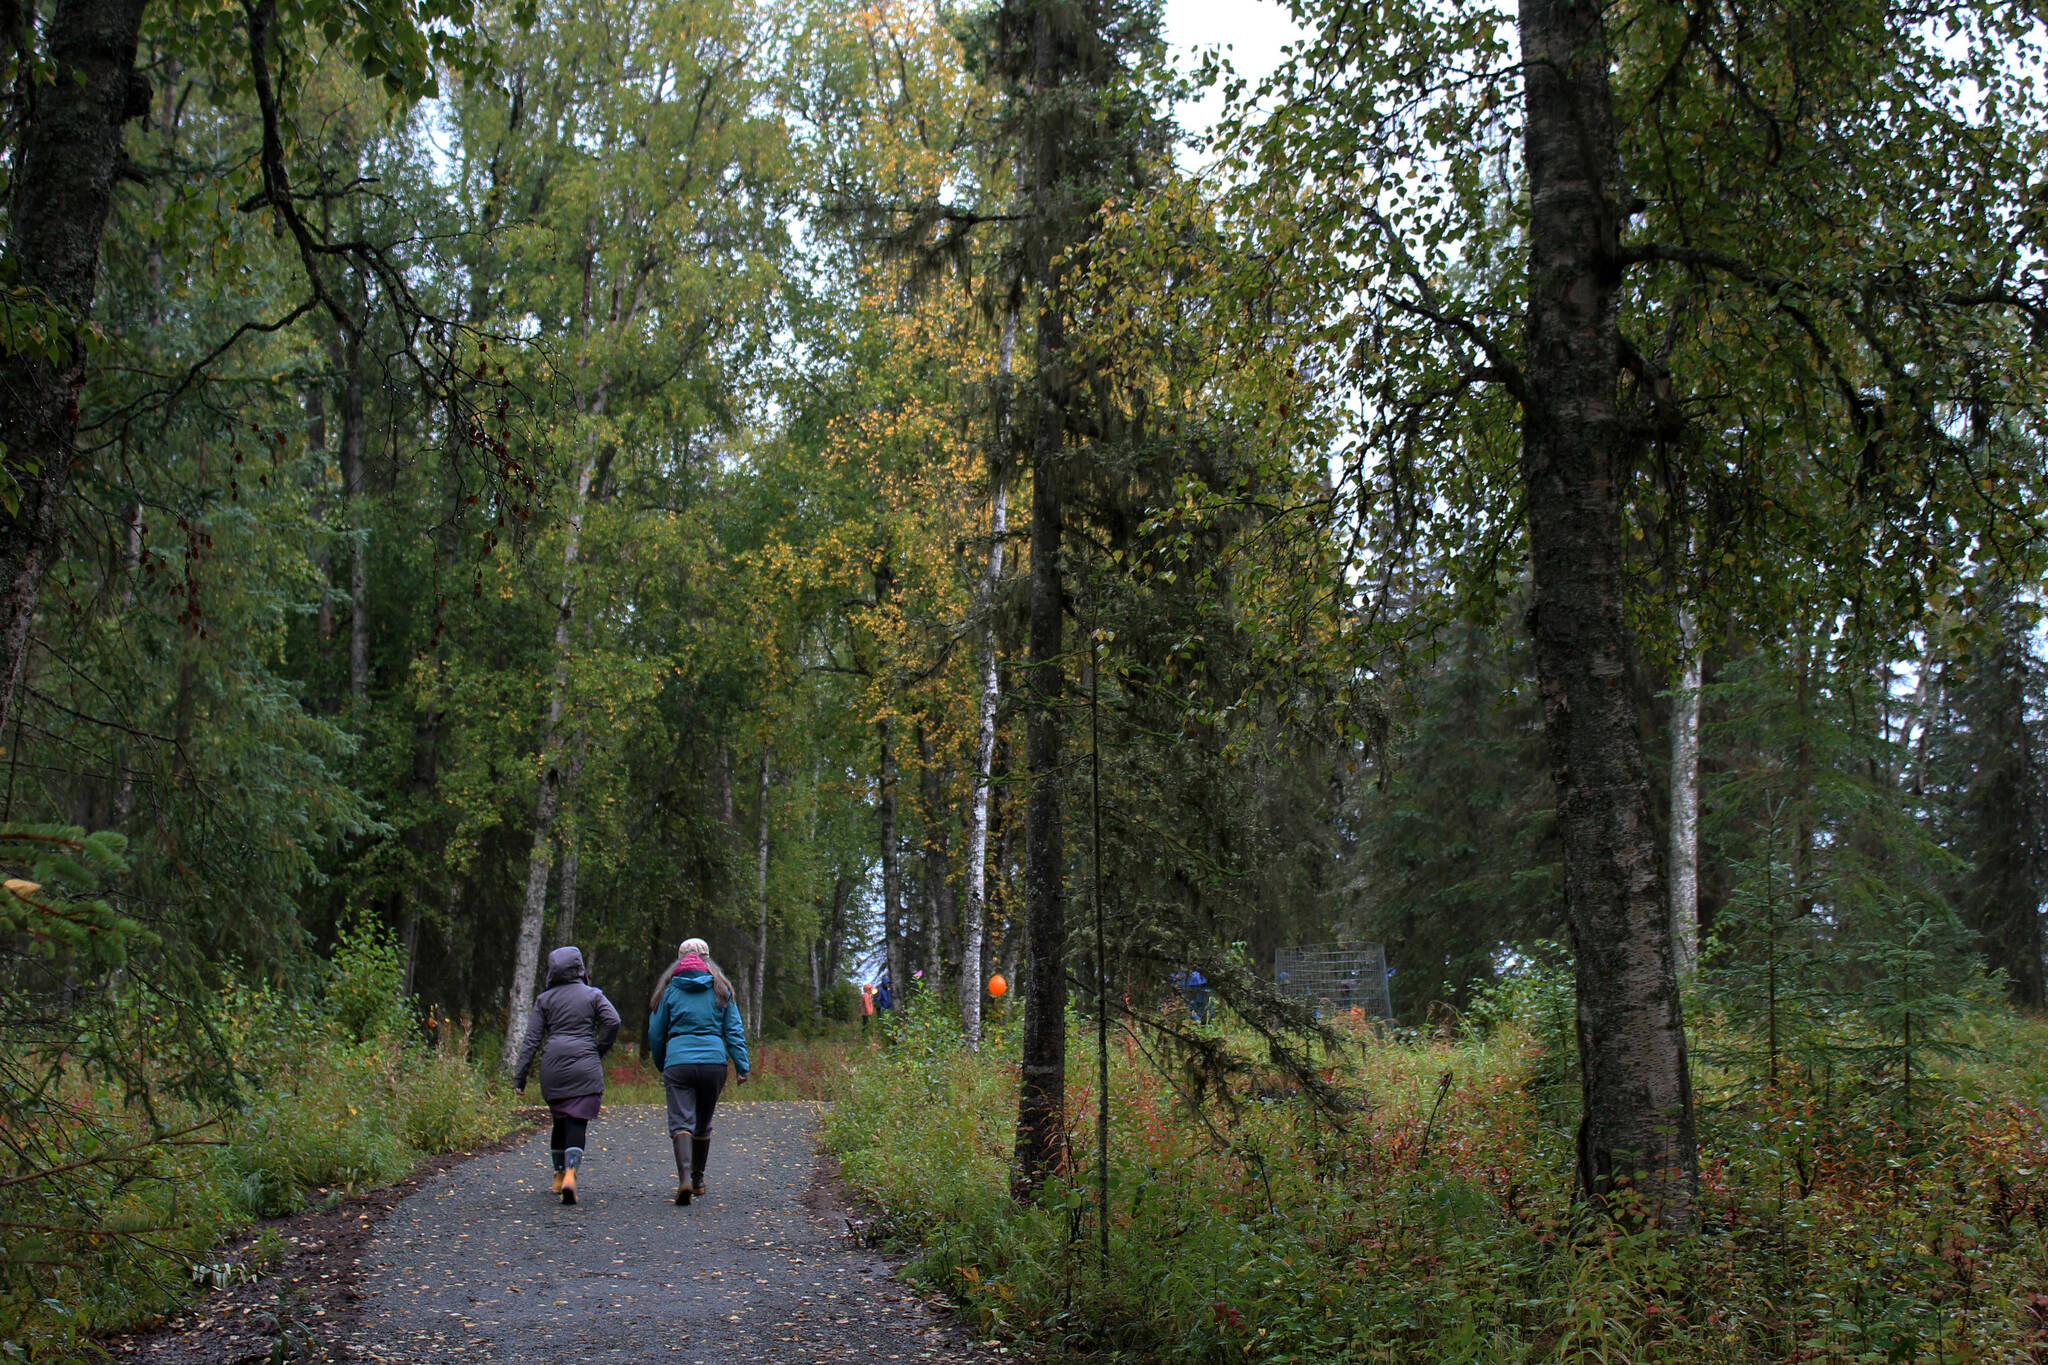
x: 690, y: 963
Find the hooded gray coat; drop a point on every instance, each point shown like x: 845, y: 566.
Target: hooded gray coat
x: 572, y: 1026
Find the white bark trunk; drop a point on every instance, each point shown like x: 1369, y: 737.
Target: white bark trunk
x: 892, y: 873
x: 131, y: 561
x: 974, y: 913
x: 938, y: 897
x: 1685, y: 802
x: 571, y: 840
x: 760, y: 897
x: 526, y: 956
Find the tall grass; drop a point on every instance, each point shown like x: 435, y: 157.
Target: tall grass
x: 136, y: 1191
x: 1437, y: 1222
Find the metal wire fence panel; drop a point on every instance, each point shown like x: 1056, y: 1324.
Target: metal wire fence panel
x: 1337, y: 976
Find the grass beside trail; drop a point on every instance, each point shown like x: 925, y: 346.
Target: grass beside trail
x: 334, y: 1097
x: 117, y: 1217
x: 1841, y: 1220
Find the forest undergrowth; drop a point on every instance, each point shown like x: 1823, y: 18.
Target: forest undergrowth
x: 123, y: 1220
x: 1840, y: 1219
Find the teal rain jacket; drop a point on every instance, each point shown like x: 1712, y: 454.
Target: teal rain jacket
x: 688, y: 1026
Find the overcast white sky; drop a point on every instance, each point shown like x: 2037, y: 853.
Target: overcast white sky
x: 1254, y: 31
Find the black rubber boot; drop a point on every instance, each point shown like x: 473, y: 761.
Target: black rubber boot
x: 700, y: 1148
x: 678, y: 1141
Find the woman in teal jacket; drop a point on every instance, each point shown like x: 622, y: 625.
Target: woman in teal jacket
x: 694, y: 1031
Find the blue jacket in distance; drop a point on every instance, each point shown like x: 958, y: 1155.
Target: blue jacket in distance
x: 688, y: 1026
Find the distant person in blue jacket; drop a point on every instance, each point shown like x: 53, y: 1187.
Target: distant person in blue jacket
x: 694, y: 1031
x: 885, y: 999
x: 1195, y: 989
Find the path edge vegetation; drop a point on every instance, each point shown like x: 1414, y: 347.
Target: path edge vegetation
x: 1642, y: 324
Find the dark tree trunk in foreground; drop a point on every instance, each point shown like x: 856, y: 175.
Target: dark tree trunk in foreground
x: 1041, y: 1100
x: 68, y: 159
x: 1637, y: 1156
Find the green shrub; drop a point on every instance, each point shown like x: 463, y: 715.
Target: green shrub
x: 840, y: 1003
x: 444, y: 1104
x: 1423, y: 1231
x: 332, y: 1096
x: 365, y: 983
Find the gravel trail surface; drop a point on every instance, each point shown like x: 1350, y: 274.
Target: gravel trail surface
x: 483, y: 1264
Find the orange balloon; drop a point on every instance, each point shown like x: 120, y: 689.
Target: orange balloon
x: 996, y: 984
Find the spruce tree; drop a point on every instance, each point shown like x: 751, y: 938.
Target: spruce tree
x: 1457, y: 854
x: 1081, y: 130
x: 1992, y: 761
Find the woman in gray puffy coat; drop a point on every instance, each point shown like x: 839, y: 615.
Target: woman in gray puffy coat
x: 572, y: 1026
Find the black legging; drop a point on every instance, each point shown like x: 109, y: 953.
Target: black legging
x: 568, y: 1133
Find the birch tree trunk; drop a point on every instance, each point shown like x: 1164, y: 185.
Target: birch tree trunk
x: 570, y: 836
x: 975, y: 912
x: 938, y: 889
x: 892, y: 872
x: 760, y: 893
x: 526, y: 955
x: 725, y: 808
x: 1636, y: 1133
x: 1920, y: 718
x: 1004, y: 832
x: 1685, y: 803
x: 124, y: 773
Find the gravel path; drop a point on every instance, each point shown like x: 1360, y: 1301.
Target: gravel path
x: 485, y: 1265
